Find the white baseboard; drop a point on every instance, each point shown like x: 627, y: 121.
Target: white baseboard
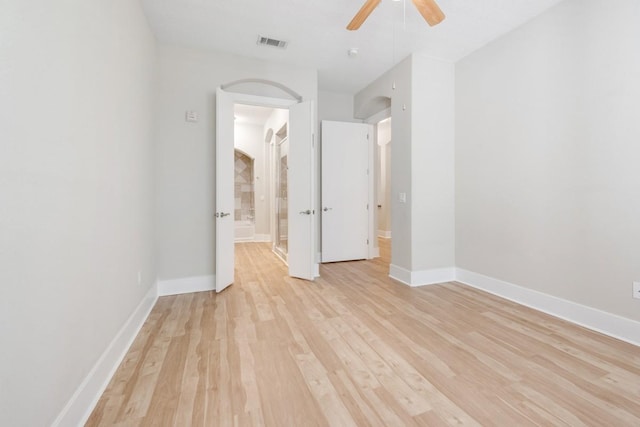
x: 254, y: 238
x: 422, y: 277
x: 243, y: 239
x: 186, y: 285
x: 385, y: 234
x: 609, y: 324
x: 79, y: 408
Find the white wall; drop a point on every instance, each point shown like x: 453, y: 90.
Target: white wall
x: 547, y: 170
x: 432, y: 157
x: 186, y: 151
x: 335, y: 106
x: 422, y: 165
x: 370, y: 101
x: 76, y: 193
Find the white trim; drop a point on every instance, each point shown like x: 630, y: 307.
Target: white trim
x: 372, y: 214
x: 385, y: 234
x: 262, y: 238
x: 609, y: 324
x: 186, y: 285
x: 264, y: 101
x: 78, y: 409
x: 400, y: 274
x: 423, y: 277
x: 280, y: 86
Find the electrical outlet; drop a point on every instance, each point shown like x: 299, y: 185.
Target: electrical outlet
x: 139, y: 277
x: 636, y: 290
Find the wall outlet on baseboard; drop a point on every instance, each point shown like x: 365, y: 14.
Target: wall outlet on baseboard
x: 636, y: 290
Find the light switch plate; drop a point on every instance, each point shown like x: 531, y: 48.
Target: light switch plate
x: 191, y: 116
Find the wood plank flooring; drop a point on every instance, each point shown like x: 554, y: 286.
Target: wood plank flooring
x: 355, y: 348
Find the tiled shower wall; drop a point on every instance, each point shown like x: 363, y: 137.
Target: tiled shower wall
x: 244, y: 191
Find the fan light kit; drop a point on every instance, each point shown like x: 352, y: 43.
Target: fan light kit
x: 427, y: 8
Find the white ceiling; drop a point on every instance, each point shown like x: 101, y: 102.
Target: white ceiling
x: 315, y: 30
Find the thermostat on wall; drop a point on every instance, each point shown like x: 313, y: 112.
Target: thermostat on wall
x: 191, y: 116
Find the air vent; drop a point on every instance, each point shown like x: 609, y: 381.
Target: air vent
x: 266, y: 41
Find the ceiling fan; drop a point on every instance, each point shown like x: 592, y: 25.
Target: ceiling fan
x: 427, y: 8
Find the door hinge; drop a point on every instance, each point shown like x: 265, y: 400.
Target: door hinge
x: 367, y: 137
x: 367, y: 241
x: 367, y: 206
x: 313, y: 140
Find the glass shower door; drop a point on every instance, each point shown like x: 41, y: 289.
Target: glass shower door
x: 281, y: 246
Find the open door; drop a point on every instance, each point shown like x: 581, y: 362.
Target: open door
x: 300, y: 192
x: 224, y: 191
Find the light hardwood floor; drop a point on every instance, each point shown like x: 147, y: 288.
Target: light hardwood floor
x: 356, y: 348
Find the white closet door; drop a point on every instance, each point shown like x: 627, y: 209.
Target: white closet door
x: 345, y: 191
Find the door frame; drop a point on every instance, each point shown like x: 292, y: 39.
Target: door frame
x: 374, y: 161
x: 283, y: 103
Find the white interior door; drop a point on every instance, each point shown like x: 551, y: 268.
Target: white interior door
x: 301, y: 210
x: 345, y: 191
x: 224, y: 191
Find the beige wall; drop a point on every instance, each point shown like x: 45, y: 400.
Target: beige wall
x: 76, y: 194
x: 547, y: 155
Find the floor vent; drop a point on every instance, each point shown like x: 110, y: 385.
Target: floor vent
x: 266, y: 41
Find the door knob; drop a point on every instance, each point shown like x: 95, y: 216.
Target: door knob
x: 307, y: 212
x: 327, y: 209
x: 221, y: 214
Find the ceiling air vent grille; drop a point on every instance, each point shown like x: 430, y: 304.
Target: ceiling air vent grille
x: 266, y: 41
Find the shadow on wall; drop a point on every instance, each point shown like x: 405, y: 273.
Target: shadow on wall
x: 373, y: 106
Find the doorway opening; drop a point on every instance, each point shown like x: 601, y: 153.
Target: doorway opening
x: 383, y: 184
x: 280, y: 165
x: 261, y: 170
x: 301, y: 229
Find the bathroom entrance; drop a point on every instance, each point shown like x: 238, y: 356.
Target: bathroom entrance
x: 261, y: 146
x: 287, y: 134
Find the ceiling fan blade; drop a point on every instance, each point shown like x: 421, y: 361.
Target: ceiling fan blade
x: 362, y: 14
x: 429, y: 11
